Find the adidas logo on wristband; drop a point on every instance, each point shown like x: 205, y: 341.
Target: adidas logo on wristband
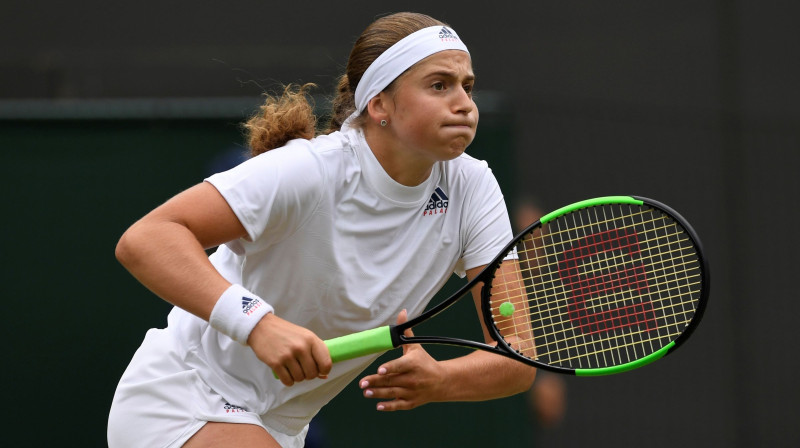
x: 237, y: 312
x: 250, y: 305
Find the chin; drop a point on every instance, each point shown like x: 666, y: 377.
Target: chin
x: 459, y: 146
x: 453, y: 152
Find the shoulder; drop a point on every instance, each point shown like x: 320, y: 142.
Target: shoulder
x: 467, y: 172
x: 472, y: 182
x: 328, y: 144
x: 466, y: 164
x: 296, y: 171
x: 299, y: 157
x: 327, y: 153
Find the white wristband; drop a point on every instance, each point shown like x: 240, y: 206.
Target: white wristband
x: 237, y: 312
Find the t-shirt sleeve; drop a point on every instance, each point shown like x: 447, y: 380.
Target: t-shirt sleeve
x: 272, y: 194
x: 487, y: 228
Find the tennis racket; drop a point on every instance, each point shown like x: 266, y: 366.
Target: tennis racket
x: 598, y: 287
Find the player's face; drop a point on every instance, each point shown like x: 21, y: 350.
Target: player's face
x: 433, y: 115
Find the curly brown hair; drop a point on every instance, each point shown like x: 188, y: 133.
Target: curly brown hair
x: 282, y: 118
x: 291, y: 115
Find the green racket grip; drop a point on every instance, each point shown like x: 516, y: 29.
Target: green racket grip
x: 359, y: 344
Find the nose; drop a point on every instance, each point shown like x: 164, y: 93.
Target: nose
x: 463, y: 101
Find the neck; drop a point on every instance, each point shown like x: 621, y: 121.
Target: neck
x: 399, y: 163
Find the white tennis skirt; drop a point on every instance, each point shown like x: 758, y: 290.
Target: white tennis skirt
x: 160, y: 402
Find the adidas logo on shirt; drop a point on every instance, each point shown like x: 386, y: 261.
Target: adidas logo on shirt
x: 447, y: 35
x: 233, y: 408
x: 249, y: 305
x: 437, y: 204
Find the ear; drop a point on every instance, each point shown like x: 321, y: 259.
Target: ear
x: 380, y: 107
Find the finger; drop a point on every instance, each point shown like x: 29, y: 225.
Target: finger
x: 374, y: 382
x: 309, y: 366
x: 379, y: 380
x: 402, y: 318
x: 384, y: 393
x: 322, y: 358
x: 283, y: 375
x: 399, y: 377
x: 403, y: 364
x: 395, y: 405
x: 295, y: 370
x: 391, y: 370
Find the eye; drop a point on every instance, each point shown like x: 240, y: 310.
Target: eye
x: 438, y: 85
x: 468, y: 88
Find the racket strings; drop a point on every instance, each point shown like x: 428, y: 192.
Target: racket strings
x: 539, y: 277
x: 556, y: 287
x: 581, y: 352
x: 610, y: 287
x: 534, y: 252
x: 574, y: 231
x: 547, y: 349
x: 665, y: 280
x: 685, y: 319
x: 673, y: 304
x: 609, y: 222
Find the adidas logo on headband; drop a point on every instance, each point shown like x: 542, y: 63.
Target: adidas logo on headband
x: 447, y: 35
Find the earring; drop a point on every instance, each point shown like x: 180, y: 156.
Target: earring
x: 384, y: 122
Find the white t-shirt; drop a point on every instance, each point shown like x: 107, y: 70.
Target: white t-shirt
x: 337, y: 246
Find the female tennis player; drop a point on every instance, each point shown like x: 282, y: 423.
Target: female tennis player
x: 319, y: 236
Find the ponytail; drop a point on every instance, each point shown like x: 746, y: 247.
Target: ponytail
x: 281, y: 119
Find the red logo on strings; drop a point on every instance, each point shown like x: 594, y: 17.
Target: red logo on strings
x: 620, y: 248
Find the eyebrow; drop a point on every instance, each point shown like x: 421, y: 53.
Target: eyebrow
x: 449, y: 74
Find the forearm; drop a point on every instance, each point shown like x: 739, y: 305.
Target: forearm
x: 167, y: 259
x: 482, y: 376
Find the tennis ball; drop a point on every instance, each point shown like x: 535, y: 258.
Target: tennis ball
x: 507, y: 309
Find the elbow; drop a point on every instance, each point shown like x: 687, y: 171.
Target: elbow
x: 527, y: 377
x: 125, y: 251
x: 524, y: 376
x: 518, y: 378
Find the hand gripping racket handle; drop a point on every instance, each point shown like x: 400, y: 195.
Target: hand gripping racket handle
x: 359, y: 344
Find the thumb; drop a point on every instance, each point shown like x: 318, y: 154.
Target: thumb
x: 402, y: 318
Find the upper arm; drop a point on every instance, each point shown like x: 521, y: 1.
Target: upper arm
x: 274, y: 194
x: 204, y: 212
x: 486, y: 227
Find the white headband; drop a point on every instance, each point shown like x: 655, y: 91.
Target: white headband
x: 400, y: 57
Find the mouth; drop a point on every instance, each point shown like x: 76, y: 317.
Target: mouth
x: 462, y: 125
